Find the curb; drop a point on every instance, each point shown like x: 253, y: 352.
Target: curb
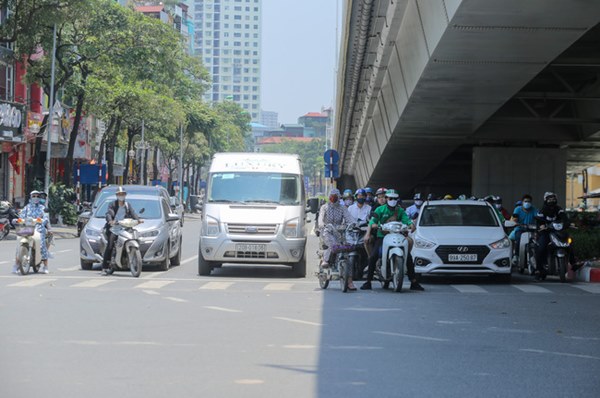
x: 588, y: 274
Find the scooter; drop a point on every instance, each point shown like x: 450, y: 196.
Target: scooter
x: 559, y: 250
x: 527, y: 245
x: 29, y: 253
x: 355, y: 236
x: 126, y: 255
x: 339, y: 269
x: 391, y: 267
x: 7, y: 215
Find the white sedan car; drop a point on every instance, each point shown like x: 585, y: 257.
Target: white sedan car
x: 461, y: 237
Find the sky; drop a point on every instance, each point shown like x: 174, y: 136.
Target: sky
x: 298, y: 56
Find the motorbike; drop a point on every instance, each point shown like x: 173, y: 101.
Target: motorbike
x: 339, y: 268
x: 7, y: 215
x: 526, y: 249
x: 391, y: 267
x: 355, y: 236
x: 126, y: 255
x: 84, y: 214
x: 29, y: 253
x: 559, y: 250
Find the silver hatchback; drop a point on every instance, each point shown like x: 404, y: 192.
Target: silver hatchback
x: 160, y: 234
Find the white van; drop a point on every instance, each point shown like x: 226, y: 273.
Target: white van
x: 253, y: 212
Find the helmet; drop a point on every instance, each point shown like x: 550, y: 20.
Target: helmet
x: 498, y: 200
x: 368, y: 190
x: 380, y: 191
x: 417, y: 196
x: 360, y: 191
x: 120, y: 190
x: 448, y: 197
x: 518, y: 203
x: 347, y: 193
x: 489, y: 199
x: 548, y: 195
x: 391, y: 193
x: 34, y: 192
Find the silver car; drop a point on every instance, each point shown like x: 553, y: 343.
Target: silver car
x: 160, y: 234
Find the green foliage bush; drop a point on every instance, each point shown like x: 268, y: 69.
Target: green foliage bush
x: 586, y: 243
x: 60, y: 200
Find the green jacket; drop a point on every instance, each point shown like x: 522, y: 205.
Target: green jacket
x: 383, y: 213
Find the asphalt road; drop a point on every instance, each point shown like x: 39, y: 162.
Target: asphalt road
x: 259, y: 332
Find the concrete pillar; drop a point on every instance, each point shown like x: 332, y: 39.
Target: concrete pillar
x: 512, y: 172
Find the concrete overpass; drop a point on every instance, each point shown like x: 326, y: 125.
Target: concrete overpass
x: 468, y: 96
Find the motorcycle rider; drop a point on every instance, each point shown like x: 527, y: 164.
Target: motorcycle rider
x: 370, y: 197
x: 348, y: 198
x: 550, y: 212
x: 359, y: 210
x: 500, y: 208
x: 117, y: 211
x: 524, y: 214
x: 391, y: 211
x: 413, y: 211
x: 35, y: 210
x: 379, y: 200
x: 336, y: 214
x: 491, y: 199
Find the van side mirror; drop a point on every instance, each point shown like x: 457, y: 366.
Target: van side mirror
x: 313, y: 205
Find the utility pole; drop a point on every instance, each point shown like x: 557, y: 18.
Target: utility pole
x: 142, y: 158
x: 50, y: 115
x: 181, y: 163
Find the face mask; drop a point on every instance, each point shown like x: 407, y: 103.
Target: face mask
x: 392, y: 202
x: 498, y: 206
x: 121, y: 198
x: 527, y: 205
x: 369, y: 200
x: 418, y: 203
x: 333, y: 198
x: 360, y: 201
x: 551, y: 202
x: 35, y: 201
x: 348, y: 202
x: 42, y: 201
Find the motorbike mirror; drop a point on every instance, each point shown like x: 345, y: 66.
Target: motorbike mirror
x: 510, y: 224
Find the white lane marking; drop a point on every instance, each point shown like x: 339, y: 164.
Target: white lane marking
x: 589, y: 288
x: 508, y: 330
x: 177, y: 300
x: 249, y: 381
x: 216, y: 285
x: 189, y: 260
x: 211, y: 307
x: 469, y: 288
x: 69, y: 269
x: 151, y: 292
x: 300, y: 346
x: 93, y: 283
x: 151, y: 275
x: 278, y: 286
x: 4, y: 262
x: 64, y: 251
x: 32, y: 282
x: 564, y: 354
x: 411, y: 336
x: 454, y: 322
x: 297, y: 321
x: 582, y: 338
x: 153, y: 284
x: 531, y: 289
x: 354, y: 347
x: 366, y: 309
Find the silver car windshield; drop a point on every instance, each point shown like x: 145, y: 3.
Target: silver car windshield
x: 247, y: 187
x: 148, y: 209
x: 458, y: 216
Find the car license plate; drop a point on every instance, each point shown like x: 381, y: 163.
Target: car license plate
x: 250, y: 248
x: 462, y: 257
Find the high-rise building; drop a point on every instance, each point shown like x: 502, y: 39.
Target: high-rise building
x: 228, y: 38
x: 269, y: 119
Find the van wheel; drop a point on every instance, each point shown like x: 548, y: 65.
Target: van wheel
x: 299, y: 268
x: 204, y: 267
x: 86, y: 265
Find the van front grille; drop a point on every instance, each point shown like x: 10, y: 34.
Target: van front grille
x: 252, y: 229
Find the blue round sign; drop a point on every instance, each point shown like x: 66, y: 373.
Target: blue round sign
x: 331, y: 156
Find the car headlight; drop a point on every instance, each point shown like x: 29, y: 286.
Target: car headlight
x: 501, y: 244
x: 149, y: 234
x: 421, y: 243
x: 290, y: 230
x: 92, y: 233
x: 212, y: 226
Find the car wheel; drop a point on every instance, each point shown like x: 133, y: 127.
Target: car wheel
x: 86, y: 265
x: 204, y: 267
x: 164, y: 265
x: 177, y: 259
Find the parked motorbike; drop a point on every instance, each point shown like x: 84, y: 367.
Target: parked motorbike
x: 357, y: 258
x: 559, y: 250
x: 126, y: 255
x: 526, y: 249
x: 29, y: 253
x: 7, y: 215
x: 339, y: 268
x: 391, y: 267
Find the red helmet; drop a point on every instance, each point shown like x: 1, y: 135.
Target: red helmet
x: 380, y: 191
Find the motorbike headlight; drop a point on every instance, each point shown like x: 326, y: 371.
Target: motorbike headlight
x: 92, y: 233
x: 558, y: 226
x: 501, y: 244
x: 212, y: 226
x: 290, y: 230
x: 149, y: 234
x: 421, y: 243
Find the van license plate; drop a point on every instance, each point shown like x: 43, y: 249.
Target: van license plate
x: 250, y: 248
x: 462, y: 257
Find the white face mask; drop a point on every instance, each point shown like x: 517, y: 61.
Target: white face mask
x: 121, y: 198
x: 392, y: 202
x: 348, y: 202
x: 418, y: 203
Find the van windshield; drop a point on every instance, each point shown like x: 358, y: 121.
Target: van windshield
x: 248, y: 187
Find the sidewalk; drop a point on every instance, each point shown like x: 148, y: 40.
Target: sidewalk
x: 64, y: 232
x: 590, y: 272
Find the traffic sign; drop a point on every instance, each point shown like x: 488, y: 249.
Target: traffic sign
x: 331, y: 156
x: 332, y: 171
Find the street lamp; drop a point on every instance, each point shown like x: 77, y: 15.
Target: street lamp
x: 131, y: 156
